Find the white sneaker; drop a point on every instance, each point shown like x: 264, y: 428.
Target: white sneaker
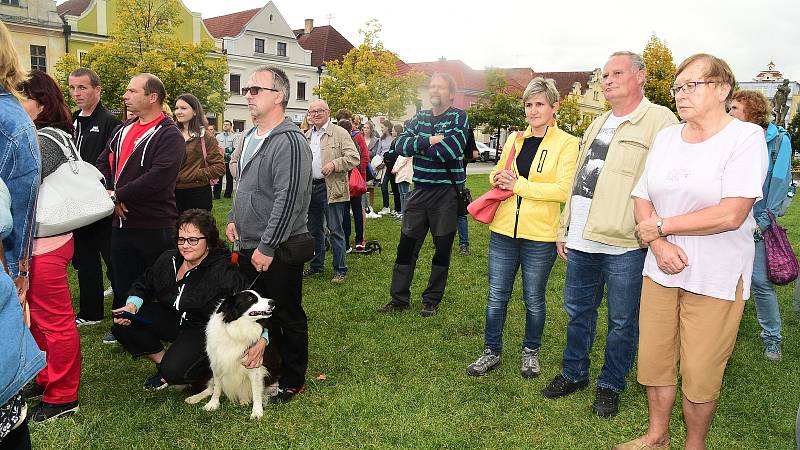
x: 82, y: 322
x: 384, y: 211
x: 108, y: 292
x: 373, y: 215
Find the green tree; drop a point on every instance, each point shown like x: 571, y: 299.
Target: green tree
x: 366, y: 80
x: 794, y: 132
x: 144, y: 39
x: 660, y: 73
x: 570, y: 118
x: 497, y: 109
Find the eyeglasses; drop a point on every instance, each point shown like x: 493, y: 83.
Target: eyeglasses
x: 688, y: 87
x: 314, y: 112
x: 192, y: 241
x: 254, y: 90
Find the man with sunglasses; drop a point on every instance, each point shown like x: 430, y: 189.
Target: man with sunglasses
x: 270, y: 211
x: 596, y: 234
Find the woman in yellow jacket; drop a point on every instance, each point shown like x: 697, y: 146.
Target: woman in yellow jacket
x: 524, y: 227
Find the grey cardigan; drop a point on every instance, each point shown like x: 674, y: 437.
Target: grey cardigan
x: 274, y: 192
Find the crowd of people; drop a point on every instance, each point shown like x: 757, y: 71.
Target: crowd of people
x: 662, y: 219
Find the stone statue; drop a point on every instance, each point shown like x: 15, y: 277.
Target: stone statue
x: 779, y: 103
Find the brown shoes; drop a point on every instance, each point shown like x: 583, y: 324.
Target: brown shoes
x: 637, y: 444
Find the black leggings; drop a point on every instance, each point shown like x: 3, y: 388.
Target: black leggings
x: 185, y: 361
x: 199, y: 197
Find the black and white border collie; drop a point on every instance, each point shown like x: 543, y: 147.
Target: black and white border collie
x: 233, y: 328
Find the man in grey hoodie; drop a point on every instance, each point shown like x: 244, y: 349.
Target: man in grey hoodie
x: 270, y: 207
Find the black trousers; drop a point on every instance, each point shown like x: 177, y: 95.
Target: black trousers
x: 133, y: 251
x: 91, y: 243
x: 185, y: 361
x: 284, y: 283
x: 228, y: 183
x: 395, y: 193
x: 18, y: 439
x: 199, y: 197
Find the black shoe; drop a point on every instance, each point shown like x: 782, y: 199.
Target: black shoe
x: 560, y: 387
x: 606, y: 402
x: 392, y: 307
x: 32, y: 391
x: 310, y: 272
x: 45, y: 411
x: 285, y: 394
x: 428, y: 309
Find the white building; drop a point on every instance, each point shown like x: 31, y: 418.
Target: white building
x: 259, y: 37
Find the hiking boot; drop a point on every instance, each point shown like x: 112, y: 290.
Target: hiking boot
x: 45, y: 411
x: 560, y: 387
x: 428, y: 309
x: 109, y: 338
x: 339, y: 278
x: 79, y: 321
x: 606, y: 402
x: 310, y: 272
x: 391, y: 307
x: 463, y: 250
x: 283, y: 395
x: 772, y: 351
x: 488, y: 361
x: 530, y: 363
x: 32, y: 391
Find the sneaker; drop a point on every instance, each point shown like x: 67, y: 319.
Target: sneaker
x: 398, y: 216
x: 156, y: 382
x: 79, y: 321
x: 108, y: 292
x: 283, y: 395
x: 360, y: 247
x: 560, y: 387
x: 109, y: 338
x: 384, y: 211
x: 392, y: 307
x: 428, y: 309
x: 772, y: 351
x: 463, y: 249
x: 32, y: 391
x: 373, y: 215
x: 606, y: 402
x: 349, y: 250
x: 488, y: 361
x: 338, y: 278
x: 310, y: 272
x: 45, y: 411
x: 530, y: 363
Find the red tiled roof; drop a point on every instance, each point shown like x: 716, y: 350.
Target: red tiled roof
x: 565, y: 80
x: 73, y: 7
x: 325, y: 43
x: 229, y: 24
x: 465, y: 76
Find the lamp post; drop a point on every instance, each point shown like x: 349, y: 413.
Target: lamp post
x: 320, y: 69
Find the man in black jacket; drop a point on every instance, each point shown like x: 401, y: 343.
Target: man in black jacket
x: 93, y: 127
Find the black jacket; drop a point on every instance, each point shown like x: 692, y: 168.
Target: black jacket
x: 93, y: 132
x: 197, y: 295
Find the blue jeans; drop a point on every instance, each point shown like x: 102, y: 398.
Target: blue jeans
x: 463, y: 231
x: 319, y: 211
x: 587, y: 274
x: 767, y: 310
x: 403, y: 187
x: 505, y: 256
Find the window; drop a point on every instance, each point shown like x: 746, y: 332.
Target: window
x: 301, y: 90
x: 81, y: 55
x: 38, y: 58
x: 236, y: 84
x: 238, y: 125
x: 281, y: 48
x: 9, y: 2
x: 259, y: 45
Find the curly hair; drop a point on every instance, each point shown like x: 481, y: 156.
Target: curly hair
x: 204, y: 222
x: 756, y: 107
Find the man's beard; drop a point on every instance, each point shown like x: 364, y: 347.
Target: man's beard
x: 436, y: 102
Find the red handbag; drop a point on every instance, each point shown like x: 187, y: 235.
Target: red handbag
x: 358, y: 186
x: 484, y: 207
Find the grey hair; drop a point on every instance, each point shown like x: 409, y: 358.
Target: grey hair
x: 451, y: 83
x: 539, y: 85
x: 279, y: 80
x: 637, y: 62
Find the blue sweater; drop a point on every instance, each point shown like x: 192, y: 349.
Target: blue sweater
x: 431, y: 161
x: 781, y: 176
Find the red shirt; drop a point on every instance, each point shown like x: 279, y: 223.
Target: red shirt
x: 129, y: 143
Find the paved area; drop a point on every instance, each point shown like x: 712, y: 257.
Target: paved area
x: 479, y: 167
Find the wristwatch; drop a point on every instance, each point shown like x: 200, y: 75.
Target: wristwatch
x: 659, y: 224
x: 113, y: 197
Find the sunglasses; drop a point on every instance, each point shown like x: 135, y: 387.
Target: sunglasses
x: 254, y: 90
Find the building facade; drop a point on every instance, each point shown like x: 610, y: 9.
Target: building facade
x: 37, y: 31
x: 767, y: 82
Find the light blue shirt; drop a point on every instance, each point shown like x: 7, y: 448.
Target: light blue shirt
x: 316, y: 138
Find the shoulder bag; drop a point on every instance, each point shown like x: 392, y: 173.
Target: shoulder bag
x: 485, y: 207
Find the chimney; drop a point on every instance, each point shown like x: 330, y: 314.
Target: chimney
x: 309, y: 25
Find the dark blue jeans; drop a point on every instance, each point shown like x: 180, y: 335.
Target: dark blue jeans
x: 505, y: 257
x: 587, y: 274
x: 320, y: 214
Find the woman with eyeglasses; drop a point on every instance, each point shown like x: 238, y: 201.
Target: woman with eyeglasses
x: 693, y: 205
x: 177, y: 296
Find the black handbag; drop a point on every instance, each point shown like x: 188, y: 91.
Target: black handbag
x: 464, y: 195
x: 296, y: 250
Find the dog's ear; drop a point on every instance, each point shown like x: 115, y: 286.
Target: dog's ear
x: 233, y: 306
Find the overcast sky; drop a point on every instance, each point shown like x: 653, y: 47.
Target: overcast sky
x: 558, y: 35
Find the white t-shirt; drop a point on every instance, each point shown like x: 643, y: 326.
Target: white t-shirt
x: 251, y: 145
x: 583, y: 193
x: 681, y: 178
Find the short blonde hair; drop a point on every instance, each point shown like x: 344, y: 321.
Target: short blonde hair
x: 11, y: 71
x: 539, y: 85
x: 756, y: 107
x: 718, y: 70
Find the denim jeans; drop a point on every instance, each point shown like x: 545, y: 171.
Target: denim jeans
x: 463, y: 231
x: 505, y: 256
x: 403, y: 187
x: 767, y: 310
x: 358, y: 220
x: 321, y: 212
x: 587, y: 274
x: 385, y: 187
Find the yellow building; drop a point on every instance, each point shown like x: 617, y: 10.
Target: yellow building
x: 37, y: 32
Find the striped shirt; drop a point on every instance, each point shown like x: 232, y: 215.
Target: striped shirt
x: 432, y: 161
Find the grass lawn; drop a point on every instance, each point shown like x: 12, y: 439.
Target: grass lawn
x: 399, y: 381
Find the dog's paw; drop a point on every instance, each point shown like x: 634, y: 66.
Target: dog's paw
x: 257, y: 413
x: 194, y: 399
x: 211, y: 406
